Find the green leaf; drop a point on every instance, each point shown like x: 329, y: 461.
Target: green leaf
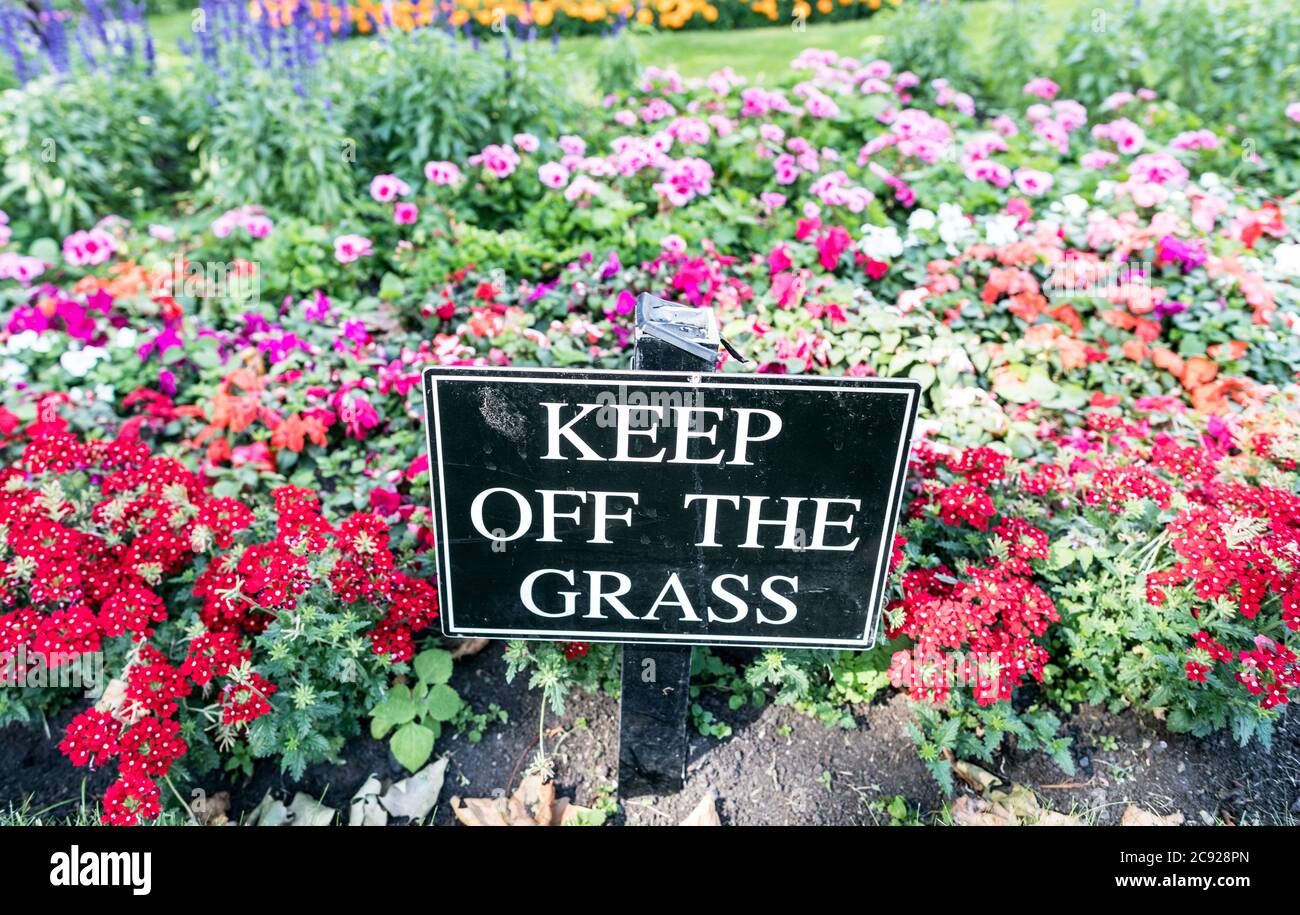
x: 412, y: 745
x: 922, y: 372
x: 397, y: 707
x: 443, y: 703
x: 433, y: 666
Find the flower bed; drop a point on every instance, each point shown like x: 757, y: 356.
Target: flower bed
x: 215, y: 470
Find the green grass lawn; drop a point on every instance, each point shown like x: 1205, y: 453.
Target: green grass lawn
x: 754, y: 52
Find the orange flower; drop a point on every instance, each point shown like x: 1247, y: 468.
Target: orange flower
x: 1198, y: 371
x: 294, y: 431
x: 1168, y: 360
x: 1136, y: 350
x: 1233, y: 349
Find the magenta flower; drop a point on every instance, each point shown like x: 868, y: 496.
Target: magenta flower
x: 500, y: 160
x: 348, y: 248
x: 553, y: 175
x: 405, y: 214
x: 1033, y: 183
x: 88, y: 248
x: 384, y: 188
x: 442, y: 173
x: 1043, y: 88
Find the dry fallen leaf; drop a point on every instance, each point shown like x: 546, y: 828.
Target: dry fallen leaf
x: 975, y: 811
x: 415, y: 796
x: 1136, y: 816
x: 269, y: 812
x: 1018, y: 801
x: 211, y: 810
x: 307, y: 811
x: 1016, y: 805
x: 533, y: 804
x: 1052, y: 818
x: 464, y: 648
x: 480, y: 811
x: 365, y: 809
x: 705, y: 812
x: 973, y: 775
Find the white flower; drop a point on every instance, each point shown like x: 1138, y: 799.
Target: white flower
x: 126, y: 338
x: 921, y: 220
x: 909, y: 299
x: 1287, y: 258
x: 21, y: 342
x: 78, y: 362
x: 880, y: 243
x: 1075, y: 205
x: 1001, y: 230
x: 953, y: 226
x: 12, y: 370
x: 1210, y: 180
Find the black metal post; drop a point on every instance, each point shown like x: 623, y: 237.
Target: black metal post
x: 656, y: 679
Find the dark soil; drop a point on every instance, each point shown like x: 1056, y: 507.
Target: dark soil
x: 778, y: 767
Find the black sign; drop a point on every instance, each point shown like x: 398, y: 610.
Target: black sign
x: 665, y: 506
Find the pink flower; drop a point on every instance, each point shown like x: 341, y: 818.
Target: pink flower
x: 442, y: 173
x: 1195, y: 139
x: 248, y: 218
x: 821, y: 106
x: 779, y: 260
x: 1158, y: 168
x: 359, y: 416
x: 1005, y: 125
x: 1293, y: 111
x: 88, y: 248
x: 15, y: 266
x: 405, y: 214
x: 553, y: 175
x: 573, y: 146
x: 257, y: 225
x: 1070, y: 114
x: 526, y: 141
x: 1033, y: 183
x: 501, y: 161
x: 1098, y: 159
x: 384, y: 188
x: 681, y: 180
x: 787, y: 170
x: 581, y: 188
x: 673, y: 244
x: 347, y: 248
x: 385, y: 501
x: 1043, y: 88
x: 1127, y: 136
x: 995, y: 173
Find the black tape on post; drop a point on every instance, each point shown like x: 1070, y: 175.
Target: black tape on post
x: 656, y: 680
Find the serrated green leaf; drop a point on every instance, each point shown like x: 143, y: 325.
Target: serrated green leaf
x: 443, y: 703
x: 433, y: 666
x: 412, y: 745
